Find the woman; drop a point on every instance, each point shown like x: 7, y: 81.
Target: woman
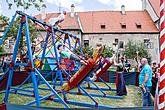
x: 120, y: 83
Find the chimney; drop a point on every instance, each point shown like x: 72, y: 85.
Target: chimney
x: 43, y: 13
x: 123, y: 10
x: 72, y: 10
x: 143, y: 4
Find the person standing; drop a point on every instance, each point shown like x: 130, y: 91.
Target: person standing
x: 120, y: 83
x: 145, y: 82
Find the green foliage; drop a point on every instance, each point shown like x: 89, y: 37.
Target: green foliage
x: 4, y: 21
x: 12, y: 33
x: 2, y: 49
x: 107, y: 52
x: 132, y: 48
x: 88, y: 50
x: 14, y: 30
x: 26, y: 4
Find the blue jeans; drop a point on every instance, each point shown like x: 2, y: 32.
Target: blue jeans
x: 146, y: 97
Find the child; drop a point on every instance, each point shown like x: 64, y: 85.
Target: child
x: 68, y: 54
x: 59, y: 19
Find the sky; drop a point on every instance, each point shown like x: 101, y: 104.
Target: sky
x: 80, y: 5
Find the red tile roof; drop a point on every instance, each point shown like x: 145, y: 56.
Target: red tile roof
x: 68, y: 23
x: 92, y: 21
x: 156, y: 5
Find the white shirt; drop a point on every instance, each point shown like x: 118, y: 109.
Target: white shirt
x: 60, y: 18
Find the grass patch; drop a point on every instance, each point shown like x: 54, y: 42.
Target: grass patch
x: 133, y: 98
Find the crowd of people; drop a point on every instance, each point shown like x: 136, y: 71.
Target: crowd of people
x: 5, y: 62
x: 148, y: 75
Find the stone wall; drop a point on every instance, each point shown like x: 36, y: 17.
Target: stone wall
x: 109, y: 39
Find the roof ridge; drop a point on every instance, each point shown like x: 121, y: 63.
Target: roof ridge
x: 95, y: 11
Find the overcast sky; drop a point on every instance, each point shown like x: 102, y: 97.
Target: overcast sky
x: 80, y: 5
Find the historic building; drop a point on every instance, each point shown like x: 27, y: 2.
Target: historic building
x: 107, y: 27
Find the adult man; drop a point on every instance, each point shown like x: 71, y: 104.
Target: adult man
x: 145, y: 83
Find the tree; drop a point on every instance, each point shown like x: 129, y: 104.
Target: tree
x: 132, y: 49
x: 107, y: 52
x: 4, y: 21
x: 26, y: 4
x: 2, y: 49
x: 14, y: 30
x: 88, y: 50
x: 12, y: 34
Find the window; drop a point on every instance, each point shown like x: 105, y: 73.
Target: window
x: 121, y: 44
x: 148, y: 44
x: 123, y: 25
x: 7, y: 43
x: 138, y: 25
x: 42, y: 44
x: 100, y: 38
x: 86, y: 42
x: 11, y: 43
x: 102, y: 26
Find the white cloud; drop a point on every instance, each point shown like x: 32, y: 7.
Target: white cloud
x: 0, y: 9
x: 105, y: 2
x: 79, y: 8
x: 129, y: 4
x: 66, y: 3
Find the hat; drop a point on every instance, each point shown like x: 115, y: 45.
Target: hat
x: 58, y: 46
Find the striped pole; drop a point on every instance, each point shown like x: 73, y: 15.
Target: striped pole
x: 161, y: 105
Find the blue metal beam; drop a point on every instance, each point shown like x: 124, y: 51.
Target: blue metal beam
x: 7, y: 70
x: 105, y: 83
x: 104, y: 89
x: 42, y: 98
x: 12, y: 66
x: 8, y: 28
x: 97, y: 87
x: 22, y: 94
x: 32, y: 62
x: 24, y: 81
x: 83, y: 104
x: 43, y: 23
x: 44, y: 50
x: 2, y: 92
x: 20, y: 89
x: 97, y: 95
x: 49, y: 86
x: 21, y: 64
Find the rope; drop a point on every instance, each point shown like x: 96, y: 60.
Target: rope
x: 72, y: 51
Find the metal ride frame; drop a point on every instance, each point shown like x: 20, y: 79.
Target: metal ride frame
x: 59, y: 74
x: 35, y: 74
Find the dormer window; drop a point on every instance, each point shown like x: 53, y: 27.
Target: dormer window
x: 123, y: 25
x: 138, y: 25
x: 102, y: 26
